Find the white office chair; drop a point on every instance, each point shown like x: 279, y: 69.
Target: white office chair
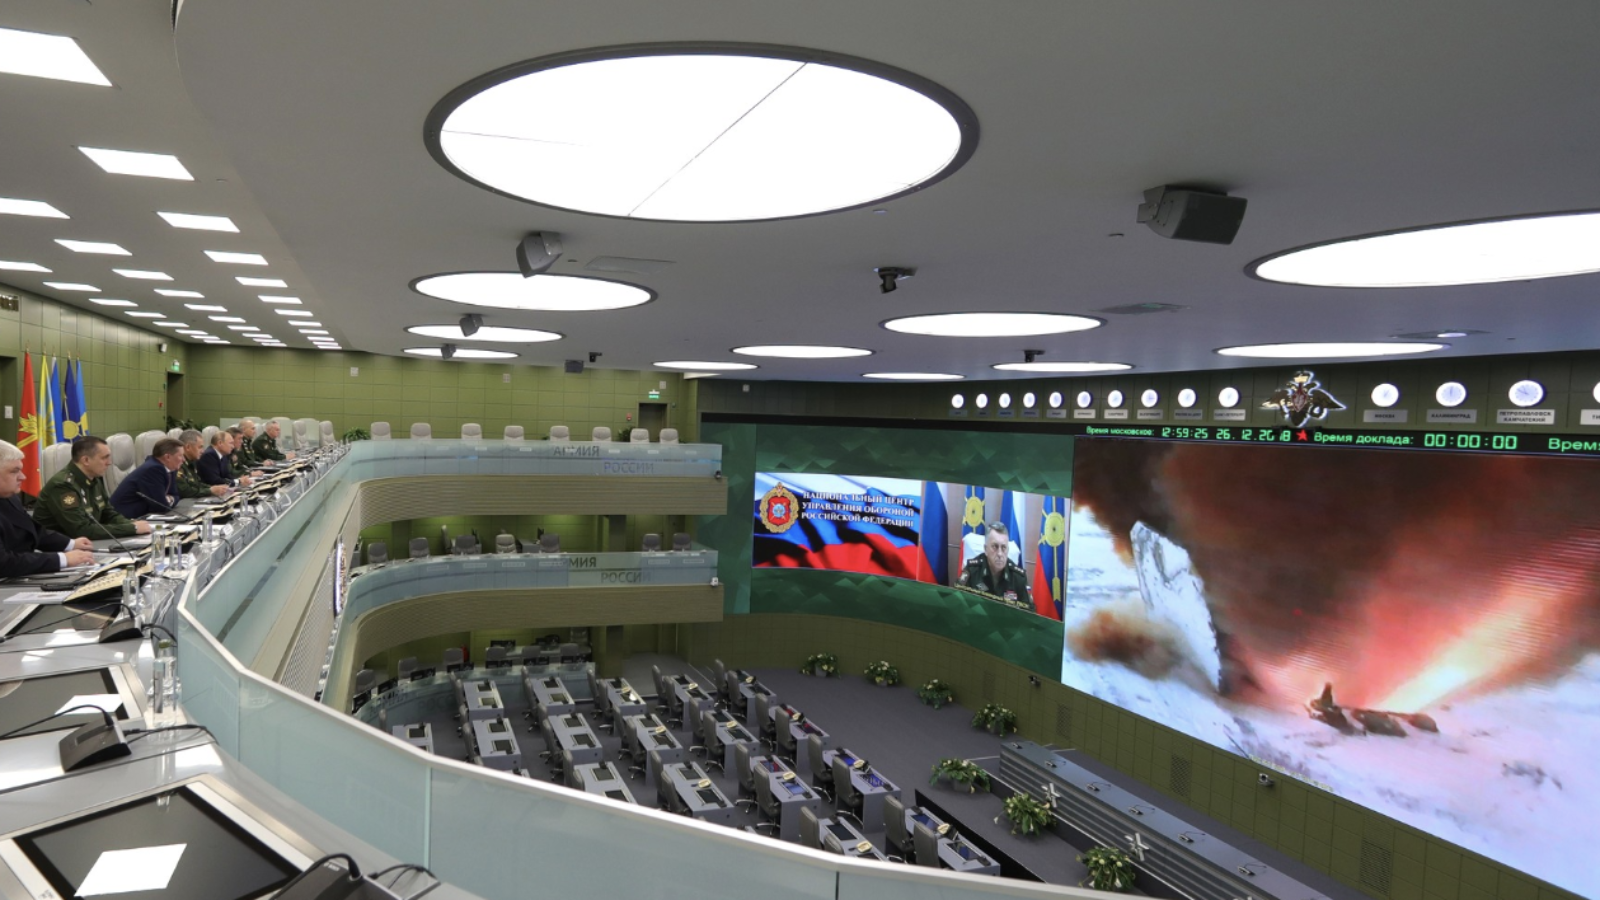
x: 639, y: 436
x: 144, y: 442
x: 122, y: 460
x: 560, y: 433
x: 422, y: 431
x: 472, y: 431
x: 668, y: 436
x: 601, y: 434
x: 54, y: 459
x: 514, y: 433
x: 325, y: 428
x: 380, y: 431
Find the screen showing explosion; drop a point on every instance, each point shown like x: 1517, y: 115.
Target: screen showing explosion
x: 1418, y: 634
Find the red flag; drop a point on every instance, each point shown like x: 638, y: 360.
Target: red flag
x: 28, y: 431
x: 1044, y: 602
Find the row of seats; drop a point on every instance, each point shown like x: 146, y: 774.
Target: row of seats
x: 127, y: 452
x: 472, y: 431
x: 467, y: 545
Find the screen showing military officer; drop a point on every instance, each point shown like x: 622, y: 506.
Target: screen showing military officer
x: 992, y: 572
x: 75, y: 501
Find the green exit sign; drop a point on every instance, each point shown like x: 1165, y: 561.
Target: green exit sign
x: 655, y: 395
x: 176, y: 365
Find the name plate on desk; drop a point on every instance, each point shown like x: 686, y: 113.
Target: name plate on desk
x: 551, y: 562
x: 1007, y: 413
x: 957, y: 413
x: 514, y: 564
x: 475, y: 565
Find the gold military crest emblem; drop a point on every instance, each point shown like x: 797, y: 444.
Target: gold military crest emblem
x: 780, y: 509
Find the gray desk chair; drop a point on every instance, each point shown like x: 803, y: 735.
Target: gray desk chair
x: 405, y: 667
x: 514, y: 433
x: 767, y: 805
x: 495, y: 658
x: 668, y: 436
x: 745, y: 773
x: 788, y: 746
x: 419, y: 548
x: 847, y: 801
x: 365, y: 680
x: 505, y: 543
x: 421, y: 431
x: 925, y: 845
x: 765, y: 731
x: 831, y: 843
x: 730, y: 689
x: 549, y: 543
x: 454, y: 660
x: 895, y: 838
x: 569, y: 771
x: 601, y: 434
x: 381, y: 431
x: 377, y: 552
x: 560, y: 433
x: 325, y: 433
x: 548, y: 732
x: 466, y: 545
x: 810, y: 829
x: 821, y: 764
x: 651, y: 544
x: 681, y: 542
x: 708, y: 739
x: 570, y: 653
x: 719, y: 679
x: 665, y: 793
x: 661, y: 683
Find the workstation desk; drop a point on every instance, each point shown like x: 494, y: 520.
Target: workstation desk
x: 791, y: 794
x: 574, y: 736
x: 495, y: 744
x: 602, y: 779
x: 696, y: 795
x: 873, y: 788
x: 643, y: 735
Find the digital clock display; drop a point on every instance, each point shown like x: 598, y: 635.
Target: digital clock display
x: 1470, y: 441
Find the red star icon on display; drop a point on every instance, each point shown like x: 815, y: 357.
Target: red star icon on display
x: 1301, y: 435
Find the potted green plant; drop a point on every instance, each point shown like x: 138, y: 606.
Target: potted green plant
x: 883, y: 674
x: 936, y: 694
x: 1109, y: 870
x: 1028, y: 816
x: 961, y: 771
x: 822, y: 665
x: 996, y: 718
x: 357, y: 434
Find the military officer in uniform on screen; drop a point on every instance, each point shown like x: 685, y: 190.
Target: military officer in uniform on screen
x: 992, y: 572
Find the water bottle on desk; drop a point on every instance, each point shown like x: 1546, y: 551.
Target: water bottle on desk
x: 161, y: 709
x: 158, y: 552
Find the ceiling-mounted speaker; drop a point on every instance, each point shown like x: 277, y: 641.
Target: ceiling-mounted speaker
x: 1185, y: 214
x: 574, y: 367
x: 537, y: 252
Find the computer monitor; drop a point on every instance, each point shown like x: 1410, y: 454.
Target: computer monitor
x: 30, y: 699
x: 77, y: 616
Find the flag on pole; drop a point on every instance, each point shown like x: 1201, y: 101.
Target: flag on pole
x: 47, y: 421
x: 1010, y: 517
x: 29, y: 433
x: 76, y: 423
x: 58, y: 402
x: 1052, y: 565
x: 934, y: 534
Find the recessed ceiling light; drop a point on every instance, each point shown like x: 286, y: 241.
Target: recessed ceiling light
x: 305, y: 324
x: 216, y: 341
x: 914, y: 376
x: 1028, y: 400
x: 801, y: 351
x: 37, y: 208
x: 51, y: 56
x: 294, y: 312
x: 171, y: 324
x: 103, y: 301
x: 273, y: 298
x: 169, y: 292
x: 545, y: 293
x: 498, y: 335
x: 991, y: 324
x: 100, y: 247
x: 72, y: 286
x: 226, y: 318
x: 706, y: 366
x: 461, y: 353
x: 1484, y: 252
x: 192, y: 332
x: 247, y: 281
x: 314, y: 331
x: 129, y: 162
x: 237, y: 259
x: 143, y: 275
x: 147, y: 315
x: 242, y: 328
x: 1331, y: 349
x: 198, y: 222
x: 1062, y: 368
x: 205, y: 307
x: 10, y: 266
x: 1451, y: 334
x: 736, y: 135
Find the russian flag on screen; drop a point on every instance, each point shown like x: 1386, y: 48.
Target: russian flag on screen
x: 845, y: 523
x: 935, y: 537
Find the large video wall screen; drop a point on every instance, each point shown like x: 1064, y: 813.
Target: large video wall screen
x: 1418, y: 634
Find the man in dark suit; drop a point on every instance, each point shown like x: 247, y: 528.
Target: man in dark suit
x: 214, y: 465
x: 153, y: 487
x: 25, y: 548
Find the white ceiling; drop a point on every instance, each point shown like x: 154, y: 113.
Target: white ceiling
x: 303, y: 120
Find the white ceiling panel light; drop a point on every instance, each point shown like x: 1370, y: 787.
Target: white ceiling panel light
x: 50, y: 56
x: 1525, y: 393
x: 801, y: 351
x: 715, y: 133
x: 169, y: 292
x: 1029, y: 400
x: 143, y: 274
x: 981, y: 401
x: 192, y: 332
x: 913, y: 376
x: 231, y: 258
x: 226, y: 318
x: 72, y: 286
x: 247, y: 281
x: 461, y: 353
x: 991, y: 324
x: 147, y: 315
x: 1481, y: 252
x: 1004, y: 400
x: 102, y: 248
x: 242, y: 328
x: 12, y: 266
x: 704, y: 366
x: 205, y: 307
x: 294, y: 312
x: 171, y: 324
x: 10, y: 206
x: 491, y: 333
x: 1062, y: 368
x: 542, y: 293
x: 1385, y: 395
x: 106, y: 301
x: 131, y: 162
x: 1451, y: 394
x: 198, y: 222
x: 1332, y: 349
x: 279, y: 299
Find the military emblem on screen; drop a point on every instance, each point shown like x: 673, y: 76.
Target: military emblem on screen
x: 779, y: 509
x: 1302, y: 399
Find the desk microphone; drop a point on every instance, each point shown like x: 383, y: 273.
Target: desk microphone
x: 165, y: 506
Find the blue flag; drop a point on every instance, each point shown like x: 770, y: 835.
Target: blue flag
x: 935, y: 540
x: 58, y: 403
x: 76, y: 421
x: 1012, y: 519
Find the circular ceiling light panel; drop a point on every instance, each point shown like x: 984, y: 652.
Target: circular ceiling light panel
x: 1228, y: 397
x: 1526, y: 393
x: 1149, y: 398
x: 1114, y: 399
x: 995, y: 324
x: 496, y: 334
x: 1484, y: 252
x: 1063, y: 368
x: 1451, y: 394
x: 1085, y: 399
x: 461, y: 353
x: 541, y: 293
x: 913, y: 376
x: 1056, y: 399
x: 701, y: 132
x: 701, y: 366
x: 1332, y: 349
x: 801, y: 351
x: 1385, y: 395
x: 957, y: 401
x: 1187, y: 398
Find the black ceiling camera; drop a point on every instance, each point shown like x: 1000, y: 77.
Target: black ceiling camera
x: 447, y: 351
x: 537, y: 252
x: 1187, y: 214
x: 889, y: 277
x: 1029, y: 356
x: 594, y: 355
x: 470, y: 323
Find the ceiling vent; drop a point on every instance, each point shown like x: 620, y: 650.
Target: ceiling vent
x: 625, y: 264
x: 1139, y: 309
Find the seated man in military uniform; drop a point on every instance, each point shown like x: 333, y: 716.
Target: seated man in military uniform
x: 992, y: 572
x: 75, y: 502
x: 266, y: 446
x: 240, y: 460
x: 190, y: 485
x: 242, y: 451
